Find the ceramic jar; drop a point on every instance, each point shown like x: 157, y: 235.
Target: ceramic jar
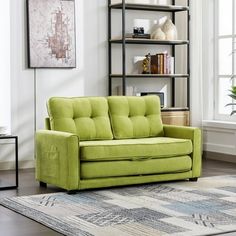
x: 158, y: 34
x: 170, y: 30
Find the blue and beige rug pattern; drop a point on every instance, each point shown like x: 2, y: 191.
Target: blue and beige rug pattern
x: 206, y: 207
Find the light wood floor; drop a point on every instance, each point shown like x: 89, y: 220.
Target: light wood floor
x: 13, y: 224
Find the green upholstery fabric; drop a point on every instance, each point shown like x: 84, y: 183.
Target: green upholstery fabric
x: 104, y: 169
x: 193, y: 134
x: 134, y: 149
x: 78, y: 150
x: 57, y: 158
x: 128, y: 180
x: 135, y: 117
x: 86, y: 117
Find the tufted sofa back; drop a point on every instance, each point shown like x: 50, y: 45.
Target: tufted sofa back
x: 135, y: 117
x: 100, y: 118
x: 87, y: 117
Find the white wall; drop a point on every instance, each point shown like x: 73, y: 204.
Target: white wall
x: 196, y: 99
x: 219, y: 137
x: 88, y: 78
x: 208, y: 58
x: 5, y: 115
x: 6, y: 151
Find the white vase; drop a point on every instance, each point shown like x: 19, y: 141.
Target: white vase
x: 170, y: 30
x: 158, y: 34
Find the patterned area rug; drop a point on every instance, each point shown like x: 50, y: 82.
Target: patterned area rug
x: 206, y: 207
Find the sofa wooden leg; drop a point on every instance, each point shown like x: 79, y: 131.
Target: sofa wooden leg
x: 193, y: 179
x: 42, y: 184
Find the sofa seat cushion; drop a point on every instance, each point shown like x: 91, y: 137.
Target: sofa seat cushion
x: 134, y: 149
x: 105, y: 169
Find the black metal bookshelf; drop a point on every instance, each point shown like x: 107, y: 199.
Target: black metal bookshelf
x: 124, y: 41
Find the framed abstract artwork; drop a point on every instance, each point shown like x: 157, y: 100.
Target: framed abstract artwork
x: 51, y: 34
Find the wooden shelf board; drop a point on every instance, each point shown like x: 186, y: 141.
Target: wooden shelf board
x: 149, y: 41
x: 169, y: 109
x: 151, y: 76
x: 150, y: 7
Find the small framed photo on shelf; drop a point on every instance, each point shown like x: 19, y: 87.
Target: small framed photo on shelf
x: 138, y: 32
x: 51, y: 33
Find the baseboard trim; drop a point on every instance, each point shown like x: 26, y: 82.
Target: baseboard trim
x: 219, y: 156
x: 9, y: 165
x: 219, y: 148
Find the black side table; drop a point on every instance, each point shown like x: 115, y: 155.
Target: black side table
x: 15, y: 138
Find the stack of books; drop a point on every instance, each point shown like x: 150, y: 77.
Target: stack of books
x: 141, y: 36
x: 138, y: 36
x: 162, y: 63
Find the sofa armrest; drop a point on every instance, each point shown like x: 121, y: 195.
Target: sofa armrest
x: 188, y: 133
x: 57, y: 158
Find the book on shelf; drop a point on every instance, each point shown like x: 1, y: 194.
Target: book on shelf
x: 137, y: 36
x: 141, y: 36
x: 154, y: 64
x: 162, y: 63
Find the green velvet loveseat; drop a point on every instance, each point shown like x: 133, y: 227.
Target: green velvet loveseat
x: 94, y: 142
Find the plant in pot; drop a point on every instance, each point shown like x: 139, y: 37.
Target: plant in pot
x: 233, y: 96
